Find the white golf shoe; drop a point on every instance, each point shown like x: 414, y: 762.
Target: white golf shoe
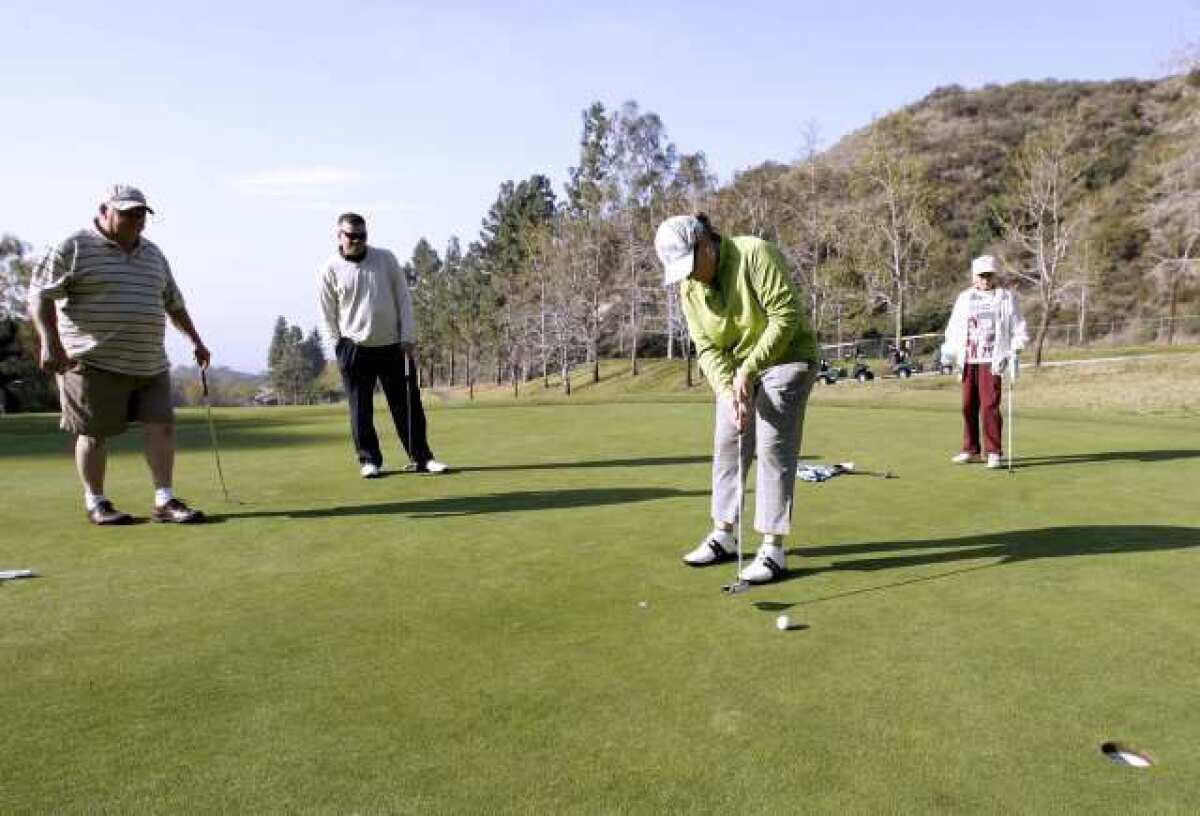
x: 964, y: 458
x: 369, y: 471
x: 711, y: 550
x: 995, y: 461
x: 768, y: 565
x: 434, y: 466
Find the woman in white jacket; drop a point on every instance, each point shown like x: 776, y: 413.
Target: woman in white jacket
x: 985, y: 333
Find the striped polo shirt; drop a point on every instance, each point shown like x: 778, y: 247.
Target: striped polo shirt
x: 111, y: 304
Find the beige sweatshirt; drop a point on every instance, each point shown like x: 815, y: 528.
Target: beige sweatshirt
x: 366, y: 301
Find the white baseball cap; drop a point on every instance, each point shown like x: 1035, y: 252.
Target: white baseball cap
x: 123, y: 197
x: 675, y: 244
x: 982, y: 266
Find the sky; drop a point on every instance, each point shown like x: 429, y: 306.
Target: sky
x: 250, y: 126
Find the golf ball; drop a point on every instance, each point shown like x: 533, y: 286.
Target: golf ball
x: 783, y: 623
x: 642, y: 604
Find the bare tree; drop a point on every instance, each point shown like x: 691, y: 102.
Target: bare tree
x: 894, y: 214
x: 1038, y: 225
x: 1172, y: 216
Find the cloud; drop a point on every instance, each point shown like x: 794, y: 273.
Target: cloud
x: 290, y: 181
x: 368, y: 208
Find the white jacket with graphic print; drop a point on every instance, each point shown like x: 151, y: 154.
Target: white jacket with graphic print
x: 1011, y: 335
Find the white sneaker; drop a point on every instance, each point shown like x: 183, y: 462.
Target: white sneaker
x: 994, y: 461
x: 711, y: 551
x: 369, y: 471
x: 768, y: 565
x: 434, y: 466
x: 964, y: 458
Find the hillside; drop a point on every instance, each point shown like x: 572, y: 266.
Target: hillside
x: 1132, y: 134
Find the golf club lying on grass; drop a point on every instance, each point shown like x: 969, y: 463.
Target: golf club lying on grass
x: 212, y: 433
x: 16, y: 574
x: 739, y: 584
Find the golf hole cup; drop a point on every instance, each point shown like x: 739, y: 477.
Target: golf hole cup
x: 783, y: 623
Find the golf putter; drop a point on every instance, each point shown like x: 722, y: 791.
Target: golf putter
x: 408, y: 385
x: 1012, y: 384
x: 212, y: 432
x: 739, y: 585
x: 16, y: 574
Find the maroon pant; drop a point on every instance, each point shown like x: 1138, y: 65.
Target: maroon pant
x: 981, y: 391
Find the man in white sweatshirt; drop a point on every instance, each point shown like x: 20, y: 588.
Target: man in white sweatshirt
x: 368, y: 316
x: 983, y: 337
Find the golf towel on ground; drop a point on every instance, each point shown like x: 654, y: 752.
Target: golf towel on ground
x: 821, y: 473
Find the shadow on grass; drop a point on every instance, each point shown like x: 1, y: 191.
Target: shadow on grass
x: 39, y: 434
x: 1003, y: 548
x: 1148, y: 456
x: 510, y: 502
x: 599, y: 463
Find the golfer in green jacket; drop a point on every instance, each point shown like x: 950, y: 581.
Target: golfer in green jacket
x: 760, y: 357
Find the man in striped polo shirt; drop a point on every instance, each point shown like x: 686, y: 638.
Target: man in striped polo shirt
x: 101, y: 299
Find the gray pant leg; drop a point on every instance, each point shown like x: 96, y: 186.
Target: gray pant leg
x: 725, y: 463
x: 779, y: 407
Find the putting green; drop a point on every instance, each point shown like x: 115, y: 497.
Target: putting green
x: 962, y: 640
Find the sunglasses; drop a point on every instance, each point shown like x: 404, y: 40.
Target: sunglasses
x: 354, y: 236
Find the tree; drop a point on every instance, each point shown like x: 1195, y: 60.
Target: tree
x: 16, y: 269
x: 424, y: 274
x: 587, y: 230
x: 278, y: 347
x: 313, y: 353
x: 293, y: 362
x: 1039, y: 224
x: 23, y: 385
x: 894, y: 213
x: 504, y: 242
x: 1172, y: 216
x: 644, y: 159
x: 473, y: 294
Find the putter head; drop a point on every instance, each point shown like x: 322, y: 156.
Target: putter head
x: 736, y: 588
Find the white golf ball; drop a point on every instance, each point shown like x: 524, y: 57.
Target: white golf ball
x: 783, y: 623
x: 642, y: 604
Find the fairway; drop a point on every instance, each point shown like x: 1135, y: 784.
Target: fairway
x: 963, y: 640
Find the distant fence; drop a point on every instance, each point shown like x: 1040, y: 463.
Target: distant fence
x: 1114, y: 331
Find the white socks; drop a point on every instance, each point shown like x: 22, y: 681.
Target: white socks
x: 162, y: 495
x: 722, y: 537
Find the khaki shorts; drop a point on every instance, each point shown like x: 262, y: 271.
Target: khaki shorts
x: 100, y: 403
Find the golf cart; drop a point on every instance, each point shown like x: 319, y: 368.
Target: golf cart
x: 901, y: 363
x: 860, y: 371
x: 829, y: 374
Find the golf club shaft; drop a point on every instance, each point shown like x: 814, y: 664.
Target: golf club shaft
x: 408, y: 386
x: 741, y: 496
x: 1012, y: 384
x: 212, y: 432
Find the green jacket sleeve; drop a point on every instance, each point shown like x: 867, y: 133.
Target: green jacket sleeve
x: 717, y: 365
x: 769, y: 281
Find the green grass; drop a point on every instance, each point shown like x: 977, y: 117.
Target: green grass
x: 474, y: 642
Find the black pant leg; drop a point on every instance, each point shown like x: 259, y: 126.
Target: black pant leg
x: 402, y: 392
x: 358, y: 368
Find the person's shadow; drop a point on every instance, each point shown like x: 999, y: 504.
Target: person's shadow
x: 997, y: 549
x: 513, y: 501
x: 1147, y: 456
